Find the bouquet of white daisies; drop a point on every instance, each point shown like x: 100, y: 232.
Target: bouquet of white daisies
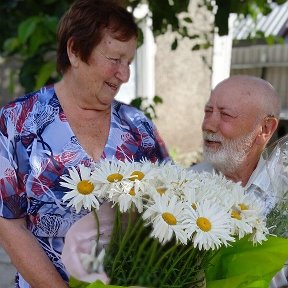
x: 168, y: 222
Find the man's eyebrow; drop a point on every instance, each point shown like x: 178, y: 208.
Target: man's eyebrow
x: 222, y: 109
x: 208, y: 105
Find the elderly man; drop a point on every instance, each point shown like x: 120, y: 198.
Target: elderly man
x: 241, y: 116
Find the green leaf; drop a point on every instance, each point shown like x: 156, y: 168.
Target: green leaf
x: 174, y: 44
x: 11, y: 45
x: 44, y: 74
x: 244, y: 265
x: 140, y: 39
x: 75, y: 283
x: 27, y: 28
x: 38, y: 39
x: 157, y: 99
x: 99, y: 284
x: 188, y: 20
x: 50, y: 24
x: 196, y: 47
x: 195, y: 36
x: 137, y: 102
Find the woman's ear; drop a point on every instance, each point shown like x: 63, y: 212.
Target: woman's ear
x: 269, y: 126
x: 72, y: 55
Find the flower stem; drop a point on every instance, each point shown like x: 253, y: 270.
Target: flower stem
x: 98, y: 226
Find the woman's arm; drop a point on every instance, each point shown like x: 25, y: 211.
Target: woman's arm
x: 27, y: 255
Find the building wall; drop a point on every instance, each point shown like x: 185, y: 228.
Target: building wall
x: 183, y: 80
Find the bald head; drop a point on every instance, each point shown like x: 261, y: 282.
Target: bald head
x: 259, y: 94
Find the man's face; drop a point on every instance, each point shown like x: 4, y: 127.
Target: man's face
x: 230, y: 127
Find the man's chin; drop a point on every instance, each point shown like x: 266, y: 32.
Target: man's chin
x: 215, y: 157
x: 211, y: 151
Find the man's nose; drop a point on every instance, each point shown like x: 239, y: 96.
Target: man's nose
x: 211, y: 122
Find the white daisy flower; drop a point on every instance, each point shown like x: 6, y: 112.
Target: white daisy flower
x: 142, y: 175
x: 260, y: 231
x: 217, y: 186
x: 209, y: 225
x: 244, y: 212
x: 126, y: 195
x: 83, y: 191
x: 158, y: 188
x: 110, y: 174
x: 175, y: 178
x: 198, y: 190
x: 166, y: 216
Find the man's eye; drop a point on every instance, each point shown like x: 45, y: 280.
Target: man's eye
x: 207, y: 112
x: 226, y: 115
x: 115, y: 60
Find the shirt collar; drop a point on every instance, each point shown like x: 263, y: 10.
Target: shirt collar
x: 260, y: 177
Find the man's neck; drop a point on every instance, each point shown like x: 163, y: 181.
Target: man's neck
x: 243, y: 172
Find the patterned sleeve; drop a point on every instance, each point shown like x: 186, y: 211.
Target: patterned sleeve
x: 13, y: 202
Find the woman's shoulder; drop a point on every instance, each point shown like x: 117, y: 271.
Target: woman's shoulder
x: 127, y: 111
x: 30, y: 107
x: 28, y: 101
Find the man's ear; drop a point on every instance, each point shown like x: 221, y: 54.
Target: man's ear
x: 72, y: 55
x: 269, y: 126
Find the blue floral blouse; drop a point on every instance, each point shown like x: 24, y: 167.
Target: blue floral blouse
x: 37, y: 146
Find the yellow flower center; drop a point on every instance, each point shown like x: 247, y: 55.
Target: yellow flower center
x: 136, y: 175
x: 236, y: 215
x: 243, y: 206
x: 169, y: 218
x: 161, y: 190
x: 132, y: 192
x: 85, y: 187
x: 204, y: 224
x: 115, y: 177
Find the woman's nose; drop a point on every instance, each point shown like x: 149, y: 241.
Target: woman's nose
x: 123, y: 72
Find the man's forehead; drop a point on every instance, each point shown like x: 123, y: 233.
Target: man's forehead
x: 229, y: 97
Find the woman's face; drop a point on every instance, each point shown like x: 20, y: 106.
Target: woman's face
x: 107, y: 69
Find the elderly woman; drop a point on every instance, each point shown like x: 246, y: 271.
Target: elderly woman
x: 76, y: 121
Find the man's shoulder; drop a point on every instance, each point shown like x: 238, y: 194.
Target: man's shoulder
x: 202, y: 167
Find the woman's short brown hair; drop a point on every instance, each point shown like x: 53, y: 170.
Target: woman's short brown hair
x: 85, y: 23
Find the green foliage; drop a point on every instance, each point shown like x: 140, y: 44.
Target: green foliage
x: 147, y: 106
x: 245, y: 8
x: 164, y: 15
x: 28, y: 31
